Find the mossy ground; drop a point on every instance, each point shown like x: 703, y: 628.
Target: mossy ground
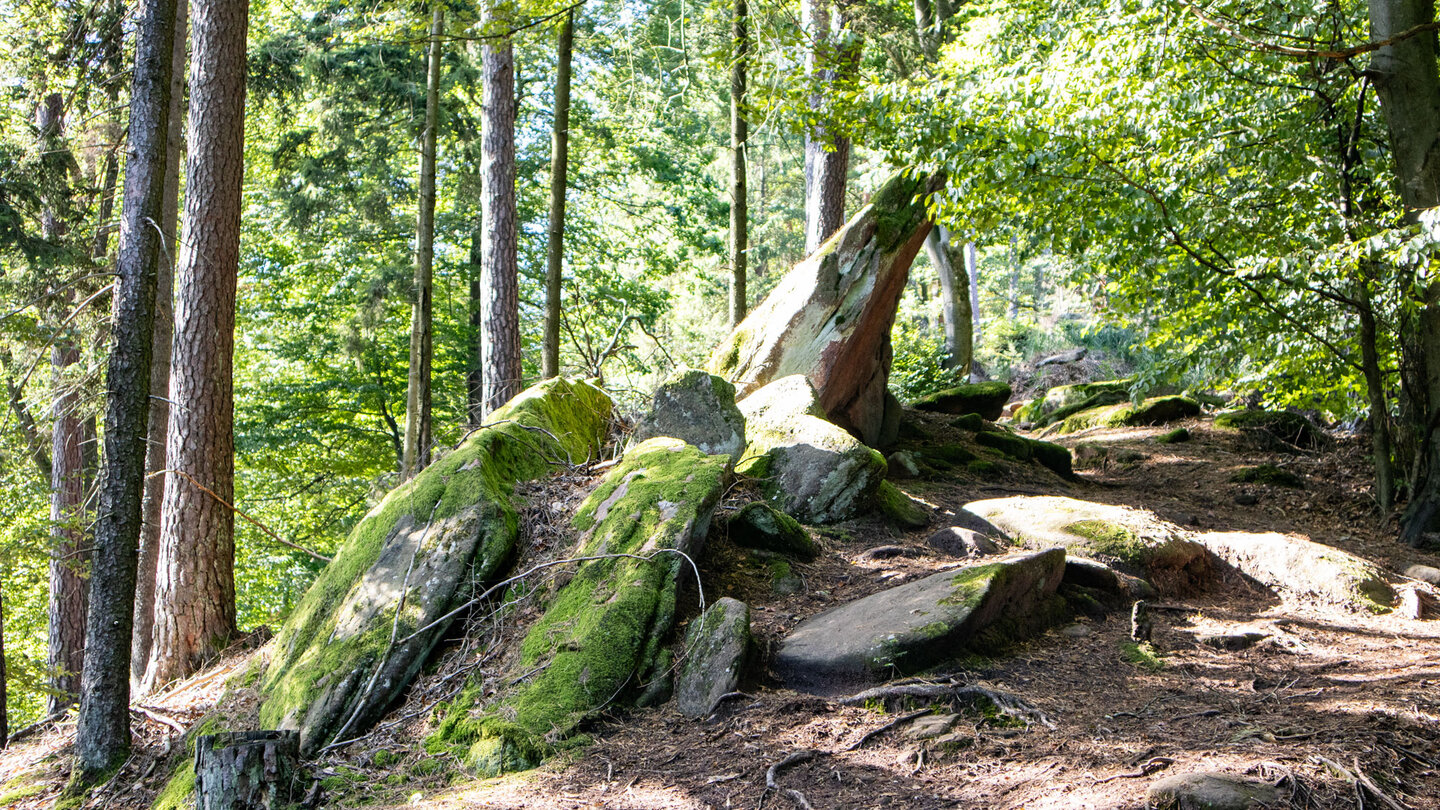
x: 1268, y: 474
x: 1142, y: 655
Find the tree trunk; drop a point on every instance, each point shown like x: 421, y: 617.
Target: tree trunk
x: 499, y: 301
x: 739, y: 137
x: 927, y: 30
x: 65, y: 653
x: 972, y: 269
x: 4, y: 692
x: 827, y: 151
x: 195, y: 580
x: 417, y: 394
x: 247, y: 770
x: 559, y: 170
x: 954, y: 297
x: 1408, y: 83
x: 34, y: 442
x: 474, y: 373
x: 1379, y: 410
x: 163, y: 334
x: 102, y: 738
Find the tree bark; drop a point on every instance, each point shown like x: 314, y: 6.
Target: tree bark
x: 972, y: 269
x: 827, y: 149
x: 559, y: 171
x: 954, y: 297
x: 4, y: 692
x: 1408, y: 83
x: 65, y: 653
x: 163, y: 333
x: 195, y: 581
x: 418, y: 426
x: 739, y: 138
x: 247, y: 770
x: 102, y: 737
x: 474, y: 373
x: 499, y: 301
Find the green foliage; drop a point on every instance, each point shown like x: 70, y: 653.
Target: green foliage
x: 920, y: 368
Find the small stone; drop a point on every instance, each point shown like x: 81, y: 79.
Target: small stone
x: 902, y: 509
x: 930, y: 726
x: 902, y: 465
x: 1076, y: 631
x: 1210, y: 791
x: 1424, y: 573
x: 1246, y: 498
x: 761, y: 526
x: 987, y: 399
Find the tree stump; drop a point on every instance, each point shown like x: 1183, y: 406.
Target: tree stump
x: 246, y: 770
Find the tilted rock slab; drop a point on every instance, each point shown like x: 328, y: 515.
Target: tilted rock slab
x: 830, y: 317
x: 1298, y: 568
x: 598, y: 638
x: 917, y: 625
x: 420, y: 552
x: 808, y: 467
x: 698, y: 408
x: 1134, y: 540
x: 716, y: 648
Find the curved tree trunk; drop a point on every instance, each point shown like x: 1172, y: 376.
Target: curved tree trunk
x: 195, y: 582
x: 417, y: 393
x: 559, y: 171
x: 499, y: 293
x: 102, y: 737
x: 164, y: 332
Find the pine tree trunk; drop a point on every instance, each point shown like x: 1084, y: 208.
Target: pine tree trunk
x: 163, y: 334
x: 4, y: 691
x: 417, y: 393
x: 102, y: 738
x: 739, y: 137
x: 827, y: 150
x: 499, y: 293
x: 559, y: 172
x: 474, y: 374
x: 1408, y: 82
x: 195, y: 581
x: 68, y: 587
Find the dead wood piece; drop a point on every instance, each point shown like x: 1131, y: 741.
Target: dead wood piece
x: 1155, y: 764
x: 246, y: 770
x: 774, y: 770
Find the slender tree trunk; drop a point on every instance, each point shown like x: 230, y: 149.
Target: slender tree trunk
x: 827, y: 150
x: 1379, y: 409
x: 927, y: 30
x: 499, y: 293
x: 417, y: 394
x: 559, y: 171
x: 739, y: 137
x: 68, y: 587
x: 102, y: 738
x: 954, y: 297
x: 164, y: 332
x: 474, y: 374
x: 972, y: 269
x: 1408, y: 83
x: 34, y: 442
x: 4, y: 691
x: 195, y: 579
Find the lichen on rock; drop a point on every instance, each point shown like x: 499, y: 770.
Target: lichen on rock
x: 698, y: 408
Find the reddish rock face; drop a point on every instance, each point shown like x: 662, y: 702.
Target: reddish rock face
x: 830, y: 317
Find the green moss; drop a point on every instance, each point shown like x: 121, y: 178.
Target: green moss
x: 899, y: 507
x: 23, y: 791
x: 1268, y: 474
x: 1175, y: 436
x: 1052, y: 456
x: 947, y: 456
x: 1016, y: 447
x: 972, y: 398
x: 973, y: 422
x: 179, y: 791
x: 1142, y: 655
x: 983, y: 468
x: 1112, y: 540
x: 899, y: 208
x: 970, y: 584
x: 779, y: 569
x: 1153, y: 411
x: 1098, y: 400
x: 570, y: 421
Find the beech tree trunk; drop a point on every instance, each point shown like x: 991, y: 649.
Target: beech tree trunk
x: 499, y: 293
x: 972, y: 269
x: 559, y: 171
x: 1408, y: 83
x: 417, y: 393
x: 4, y: 692
x: 102, y: 737
x: 739, y: 136
x: 949, y: 265
x: 163, y: 334
x: 195, y: 581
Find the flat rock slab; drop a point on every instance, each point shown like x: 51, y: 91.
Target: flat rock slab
x: 1297, y: 568
x: 1133, y: 540
x: 920, y: 624
x: 696, y: 408
x: 716, y: 646
x: 1210, y: 791
x: 986, y: 399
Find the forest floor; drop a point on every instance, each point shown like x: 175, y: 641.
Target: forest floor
x: 1328, y: 697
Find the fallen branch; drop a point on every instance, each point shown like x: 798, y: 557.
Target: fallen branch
x: 35, y: 726
x: 159, y: 718
x: 876, y: 732
x: 252, y: 521
x: 1155, y: 764
x: 774, y: 770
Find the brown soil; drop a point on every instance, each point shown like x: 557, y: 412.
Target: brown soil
x: 1328, y: 695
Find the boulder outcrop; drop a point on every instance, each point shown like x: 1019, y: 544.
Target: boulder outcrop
x: 697, y: 408
x: 716, y: 647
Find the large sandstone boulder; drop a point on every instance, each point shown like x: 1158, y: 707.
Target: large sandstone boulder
x: 716, y: 646
x: 915, y: 626
x: 1134, y: 540
x: 1153, y: 411
x: 602, y: 629
x: 830, y: 317
x: 422, y: 551
x: 697, y: 408
x: 986, y: 399
x: 807, y: 466
x: 1297, y: 568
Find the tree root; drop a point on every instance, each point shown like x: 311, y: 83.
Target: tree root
x: 794, y: 759
x: 956, y: 693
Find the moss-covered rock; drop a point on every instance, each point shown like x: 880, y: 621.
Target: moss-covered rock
x: 1153, y: 411
x: 830, y: 317
x: 1133, y: 540
x: 601, y: 632
x: 900, y: 508
x: 1052, y: 456
x: 759, y: 525
x: 1268, y: 474
x: 1175, y: 436
x: 1273, y: 430
x: 972, y: 422
x: 429, y: 543
x: 1304, y: 570
x: 697, y: 408
x: 920, y: 624
x: 716, y: 647
x: 986, y: 399
x: 807, y: 467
